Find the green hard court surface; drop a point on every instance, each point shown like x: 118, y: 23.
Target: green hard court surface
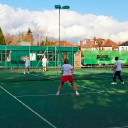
x: 29, y: 101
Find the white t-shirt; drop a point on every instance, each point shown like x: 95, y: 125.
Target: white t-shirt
x: 118, y: 65
x: 66, y: 68
x: 44, y: 60
x: 27, y: 62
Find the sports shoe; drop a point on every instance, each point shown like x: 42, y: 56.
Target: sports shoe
x: 113, y: 83
x: 77, y: 94
x: 122, y: 82
x: 28, y: 72
x: 57, y: 94
x: 24, y: 72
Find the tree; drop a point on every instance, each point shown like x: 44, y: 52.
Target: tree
x: 29, y: 37
x: 2, y: 40
x: 37, y: 35
x: 98, y: 43
x: 9, y: 39
x: 46, y: 42
x: 82, y: 53
x: 29, y: 31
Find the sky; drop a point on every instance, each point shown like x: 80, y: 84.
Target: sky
x: 85, y: 19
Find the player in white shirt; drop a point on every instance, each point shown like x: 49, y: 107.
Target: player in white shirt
x: 27, y: 64
x: 44, y: 62
x: 67, y: 71
x: 117, y: 69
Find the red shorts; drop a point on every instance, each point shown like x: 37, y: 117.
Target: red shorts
x: 68, y: 78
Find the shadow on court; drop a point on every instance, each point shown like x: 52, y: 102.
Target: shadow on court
x: 100, y: 104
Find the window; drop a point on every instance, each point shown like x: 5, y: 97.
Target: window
x: 40, y: 55
x: 78, y: 42
x: 64, y: 55
x: 84, y: 42
x: 5, y: 56
x: 32, y: 56
x: 55, y: 57
x: 48, y: 55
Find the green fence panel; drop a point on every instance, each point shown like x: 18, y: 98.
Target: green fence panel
x: 105, y: 57
x: 10, y: 56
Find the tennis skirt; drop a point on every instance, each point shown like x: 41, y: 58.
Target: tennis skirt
x: 44, y: 64
x: 68, y: 78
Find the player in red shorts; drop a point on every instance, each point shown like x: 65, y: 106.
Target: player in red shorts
x: 67, y: 71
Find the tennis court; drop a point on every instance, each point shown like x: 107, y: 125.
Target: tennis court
x: 29, y: 101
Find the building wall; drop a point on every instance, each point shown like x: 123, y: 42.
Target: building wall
x: 123, y: 48
x: 108, y: 48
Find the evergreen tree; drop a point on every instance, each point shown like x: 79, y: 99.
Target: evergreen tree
x: 29, y: 31
x: 2, y: 39
x: 46, y: 42
x: 28, y: 37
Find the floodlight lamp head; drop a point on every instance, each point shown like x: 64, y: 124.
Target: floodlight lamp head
x: 66, y: 7
x: 57, y: 7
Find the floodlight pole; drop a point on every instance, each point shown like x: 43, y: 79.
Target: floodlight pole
x: 59, y: 7
x: 59, y: 39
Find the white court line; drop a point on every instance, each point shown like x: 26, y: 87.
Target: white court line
x: 36, y: 95
x: 28, y: 107
x: 55, y: 94
x: 45, y: 95
x: 109, y: 91
x: 88, y: 87
x: 119, y: 91
x: 100, y: 91
x: 120, y: 127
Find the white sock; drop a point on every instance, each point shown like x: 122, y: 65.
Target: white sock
x: 77, y: 92
x: 58, y: 92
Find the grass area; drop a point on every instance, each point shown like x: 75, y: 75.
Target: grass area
x: 27, y: 103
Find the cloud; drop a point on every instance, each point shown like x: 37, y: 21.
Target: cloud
x: 73, y: 26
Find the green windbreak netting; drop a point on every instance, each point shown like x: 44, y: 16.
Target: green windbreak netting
x: 12, y: 65
x: 105, y: 57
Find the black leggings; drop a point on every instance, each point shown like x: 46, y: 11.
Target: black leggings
x: 117, y: 73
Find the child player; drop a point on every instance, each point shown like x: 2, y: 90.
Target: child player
x: 27, y: 64
x: 67, y: 71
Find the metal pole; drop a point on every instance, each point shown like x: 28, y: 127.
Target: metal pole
x: 59, y: 36
x: 59, y: 7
